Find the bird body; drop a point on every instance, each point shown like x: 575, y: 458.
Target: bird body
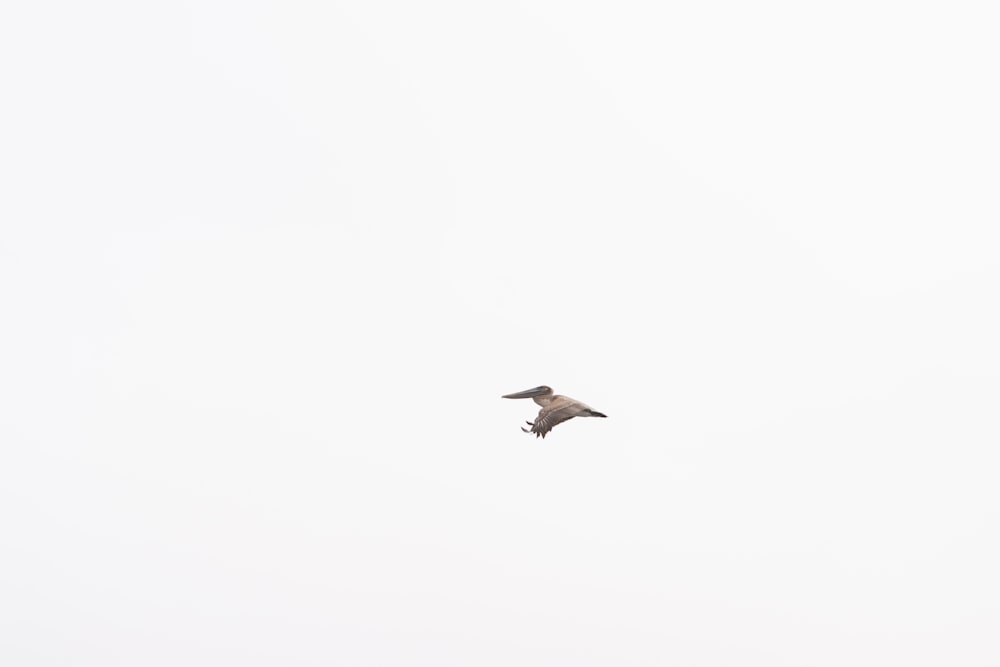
x: 555, y: 409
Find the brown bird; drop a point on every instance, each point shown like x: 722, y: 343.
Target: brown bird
x: 555, y: 409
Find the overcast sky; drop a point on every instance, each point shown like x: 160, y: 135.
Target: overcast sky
x: 267, y: 267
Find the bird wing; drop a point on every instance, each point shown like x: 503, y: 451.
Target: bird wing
x: 551, y: 415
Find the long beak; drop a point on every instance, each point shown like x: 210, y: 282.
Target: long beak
x: 527, y: 393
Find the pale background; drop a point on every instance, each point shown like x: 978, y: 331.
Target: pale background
x: 266, y: 268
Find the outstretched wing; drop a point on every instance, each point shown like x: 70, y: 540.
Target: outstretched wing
x: 551, y: 415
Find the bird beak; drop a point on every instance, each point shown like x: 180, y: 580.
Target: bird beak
x: 527, y: 393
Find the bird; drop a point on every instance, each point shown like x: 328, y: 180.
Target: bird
x: 555, y: 409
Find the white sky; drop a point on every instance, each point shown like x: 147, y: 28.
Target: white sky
x: 266, y: 268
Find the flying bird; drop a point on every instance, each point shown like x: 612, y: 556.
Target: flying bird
x: 555, y: 409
